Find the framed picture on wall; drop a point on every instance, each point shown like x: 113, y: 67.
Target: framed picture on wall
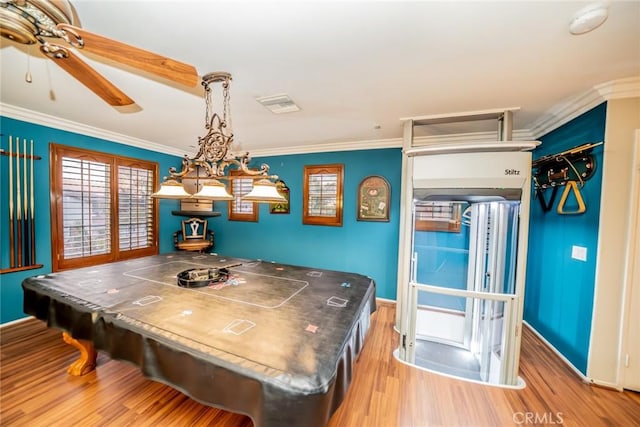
x: 374, y: 194
x: 280, y: 207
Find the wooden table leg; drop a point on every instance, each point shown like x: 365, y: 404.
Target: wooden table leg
x: 87, y: 361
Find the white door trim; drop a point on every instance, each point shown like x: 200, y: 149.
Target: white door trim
x: 632, y: 281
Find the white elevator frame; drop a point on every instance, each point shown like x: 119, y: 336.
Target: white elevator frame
x: 470, y: 166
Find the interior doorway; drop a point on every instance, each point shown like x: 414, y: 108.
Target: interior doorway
x: 630, y: 366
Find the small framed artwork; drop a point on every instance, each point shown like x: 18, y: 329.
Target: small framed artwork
x: 374, y: 195
x: 280, y: 207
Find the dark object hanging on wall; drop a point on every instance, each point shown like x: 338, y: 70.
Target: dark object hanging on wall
x: 574, y: 167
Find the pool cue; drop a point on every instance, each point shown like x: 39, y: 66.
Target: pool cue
x: 18, y: 202
x: 12, y: 240
x: 33, y: 224
x: 25, y: 206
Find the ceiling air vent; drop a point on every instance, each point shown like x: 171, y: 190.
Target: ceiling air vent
x: 278, y: 104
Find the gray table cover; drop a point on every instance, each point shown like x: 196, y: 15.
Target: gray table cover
x: 274, y: 342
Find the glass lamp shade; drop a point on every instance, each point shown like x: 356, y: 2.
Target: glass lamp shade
x: 213, y: 190
x: 171, y: 189
x: 264, y: 191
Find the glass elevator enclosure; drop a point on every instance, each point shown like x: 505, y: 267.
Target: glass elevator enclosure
x: 462, y: 300
x: 462, y: 257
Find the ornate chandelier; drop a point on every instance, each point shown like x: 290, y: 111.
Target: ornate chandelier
x: 200, y: 175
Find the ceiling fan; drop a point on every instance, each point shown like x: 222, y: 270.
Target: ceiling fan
x: 35, y: 21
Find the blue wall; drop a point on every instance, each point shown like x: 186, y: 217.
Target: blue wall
x: 10, y: 286
x: 369, y: 248
x: 560, y: 290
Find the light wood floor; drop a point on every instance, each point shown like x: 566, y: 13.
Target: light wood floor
x: 36, y: 391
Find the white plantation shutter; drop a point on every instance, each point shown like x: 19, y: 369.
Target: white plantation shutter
x: 86, y: 201
x: 435, y: 211
x: 239, y: 210
x: 241, y: 187
x: 135, y: 208
x: 438, y: 216
x: 323, y: 192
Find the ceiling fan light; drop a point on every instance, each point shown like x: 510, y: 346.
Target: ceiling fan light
x: 213, y: 190
x: 264, y: 191
x: 171, y: 189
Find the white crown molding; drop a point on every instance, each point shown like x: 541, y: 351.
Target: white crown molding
x: 387, y: 143
x: 371, y: 144
x: 622, y: 88
x: 572, y: 108
x: 554, y: 118
x: 18, y: 113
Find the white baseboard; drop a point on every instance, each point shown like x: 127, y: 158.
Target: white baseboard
x: 606, y: 384
x: 567, y: 362
x: 13, y: 322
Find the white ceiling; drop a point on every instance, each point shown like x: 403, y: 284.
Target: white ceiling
x: 354, y: 67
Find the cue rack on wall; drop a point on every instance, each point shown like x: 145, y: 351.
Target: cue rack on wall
x: 21, y: 237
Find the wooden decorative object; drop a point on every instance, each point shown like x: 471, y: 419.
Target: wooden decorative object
x: 194, y: 236
x: 374, y: 195
x: 88, y: 355
x: 21, y: 231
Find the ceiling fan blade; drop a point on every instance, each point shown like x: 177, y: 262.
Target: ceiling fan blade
x: 133, y: 56
x: 86, y: 75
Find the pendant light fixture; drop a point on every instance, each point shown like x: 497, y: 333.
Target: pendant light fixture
x: 214, y: 160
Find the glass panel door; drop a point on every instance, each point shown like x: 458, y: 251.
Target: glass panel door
x: 462, y: 295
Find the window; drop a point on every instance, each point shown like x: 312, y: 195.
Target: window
x: 239, y: 210
x: 322, y: 201
x: 438, y: 216
x: 135, y: 207
x: 101, y: 207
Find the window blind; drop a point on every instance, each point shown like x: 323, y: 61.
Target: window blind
x: 438, y: 216
x: 323, y: 192
x: 135, y: 208
x: 101, y: 207
x: 86, y: 199
x: 436, y: 211
x: 241, y: 186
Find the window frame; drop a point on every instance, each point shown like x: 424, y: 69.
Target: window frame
x: 56, y: 153
x: 438, y: 216
x: 237, y: 216
x: 328, y: 169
